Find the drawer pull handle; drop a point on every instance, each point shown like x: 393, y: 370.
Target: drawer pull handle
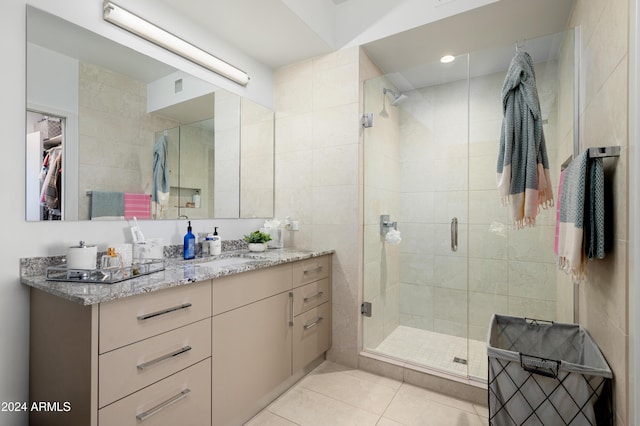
x: 316, y: 269
x: 308, y: 298
x: 163, y: 357
x: 164, y: 311
x: 313, y: 324
x: 291, y: 309
x: 150, y: 412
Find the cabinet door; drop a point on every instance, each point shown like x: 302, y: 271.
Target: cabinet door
x: 251, y: 356
x: 311, y: 335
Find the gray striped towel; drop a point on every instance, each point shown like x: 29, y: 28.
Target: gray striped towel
x: 581, y: 228
x: 523, y: 167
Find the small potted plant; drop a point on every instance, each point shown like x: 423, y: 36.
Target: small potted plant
x: 257, y: 240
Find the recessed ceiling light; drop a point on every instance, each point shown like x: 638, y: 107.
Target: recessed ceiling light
x: 447, y: 58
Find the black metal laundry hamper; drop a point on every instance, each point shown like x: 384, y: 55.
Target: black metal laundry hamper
x: 544, y: 373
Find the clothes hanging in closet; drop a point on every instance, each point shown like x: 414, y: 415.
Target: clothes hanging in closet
x: 51, y: 192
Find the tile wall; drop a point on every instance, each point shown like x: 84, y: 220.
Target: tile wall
x: 256, y: 144
x: 317, y: 156
x: 116, y: 152
x: 227, y: 155
x: 604, y: 86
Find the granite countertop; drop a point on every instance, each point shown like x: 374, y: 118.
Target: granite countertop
x: 177, y: 272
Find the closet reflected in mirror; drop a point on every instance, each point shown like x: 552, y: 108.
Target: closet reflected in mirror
x: 44, y: 167
x: 140, y: 138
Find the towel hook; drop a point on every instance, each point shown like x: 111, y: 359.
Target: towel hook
x: 520, y: 44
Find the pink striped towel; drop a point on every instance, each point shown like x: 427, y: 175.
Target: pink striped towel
x: 557, y: 238
x: 138, y: 205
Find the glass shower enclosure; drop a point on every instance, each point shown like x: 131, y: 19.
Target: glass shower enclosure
x: 430, y: 165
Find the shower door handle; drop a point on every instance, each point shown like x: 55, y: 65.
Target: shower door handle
x: 454, y: 234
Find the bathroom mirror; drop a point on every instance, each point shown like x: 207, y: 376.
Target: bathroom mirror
x: 107, y: 110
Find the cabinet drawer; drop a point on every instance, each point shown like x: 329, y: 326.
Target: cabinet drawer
x: 306, y: 271
x: 239, y: 290
x: 310, y: 295
x: 181, y: 399
x: 135, y: 318
x: 311, y: 335
x: 128, y: 369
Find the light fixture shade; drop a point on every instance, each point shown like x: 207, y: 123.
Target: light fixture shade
x: 142, y: 28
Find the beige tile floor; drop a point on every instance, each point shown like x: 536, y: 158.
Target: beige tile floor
x: 334, y: 395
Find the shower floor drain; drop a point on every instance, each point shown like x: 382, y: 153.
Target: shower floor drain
x: 460, y: 360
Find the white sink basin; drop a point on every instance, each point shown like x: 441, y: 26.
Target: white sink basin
x: 223, y: 263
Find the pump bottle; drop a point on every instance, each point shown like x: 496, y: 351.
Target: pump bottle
x: 216, y: 243
x: 189, y: 244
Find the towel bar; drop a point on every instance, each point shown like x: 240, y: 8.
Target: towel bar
x: 88, y: 193
x: 604, y: 151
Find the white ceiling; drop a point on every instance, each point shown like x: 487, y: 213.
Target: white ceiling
x: 397, y: 34
x: 494, y: 25
x: 266, y: 30
x: 282, y: 32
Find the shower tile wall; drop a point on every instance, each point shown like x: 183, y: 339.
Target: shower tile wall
x: 196, y: 171
x: 510, y: 272
x: 433, y: 130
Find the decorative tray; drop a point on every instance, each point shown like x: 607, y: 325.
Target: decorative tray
x: 105, y: 275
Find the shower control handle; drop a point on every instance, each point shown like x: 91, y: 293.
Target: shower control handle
x: 454, y: 234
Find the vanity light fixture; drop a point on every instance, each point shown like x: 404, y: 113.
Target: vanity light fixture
x: 124, y: 19
x: 447, y: 59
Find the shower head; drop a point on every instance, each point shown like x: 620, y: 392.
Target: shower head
x: 398, y: 97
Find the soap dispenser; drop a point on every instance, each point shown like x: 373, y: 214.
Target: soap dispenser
x: 189, y: 244
x: 216, y: 243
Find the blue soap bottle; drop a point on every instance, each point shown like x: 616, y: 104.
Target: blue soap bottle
x: 189, y: 244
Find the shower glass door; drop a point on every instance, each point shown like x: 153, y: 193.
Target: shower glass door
x: 430, y: 164
x: 416, y: 169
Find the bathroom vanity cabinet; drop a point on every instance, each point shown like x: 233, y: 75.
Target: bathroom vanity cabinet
x: 266, y: 329
x: 214, y: 352
x: 122, y: 361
